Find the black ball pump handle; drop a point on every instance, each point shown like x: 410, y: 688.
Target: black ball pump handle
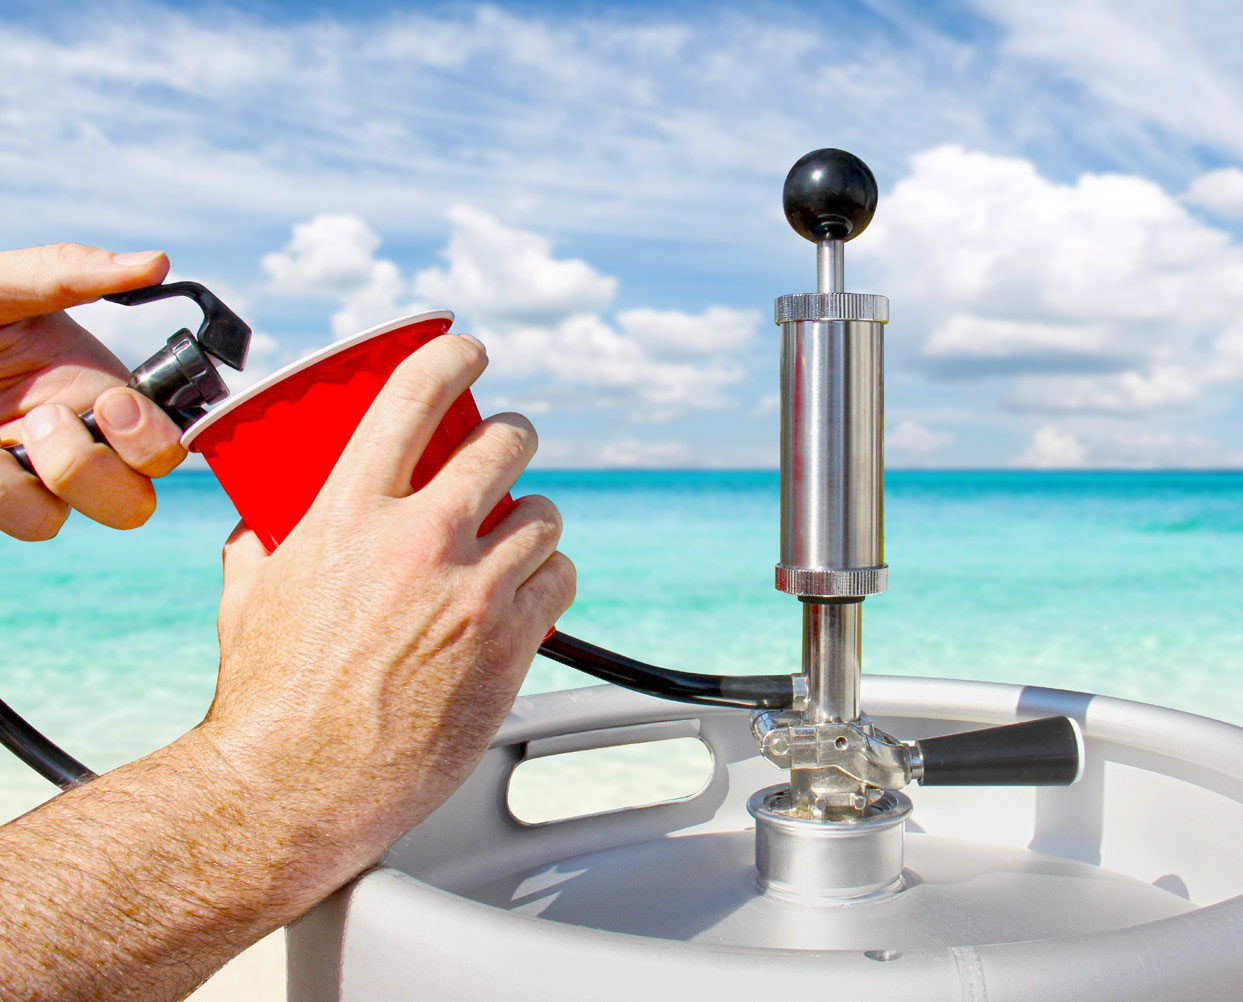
x: 829, y: 198
x: 181, y: 377
x: 829, y: 195
x: 1045, y: 752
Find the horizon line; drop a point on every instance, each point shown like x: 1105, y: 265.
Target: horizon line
x: 197, y: 470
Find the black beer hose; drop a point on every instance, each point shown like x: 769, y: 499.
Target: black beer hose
x: 53, y: 763
x: 747, y: 691
x: 43, y: 755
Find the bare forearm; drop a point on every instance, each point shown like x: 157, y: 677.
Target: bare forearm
x: 144, y: 882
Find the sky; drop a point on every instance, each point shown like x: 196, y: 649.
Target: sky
x: 595, y: 191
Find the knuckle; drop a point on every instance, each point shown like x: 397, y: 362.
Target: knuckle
x: 49, y: 526
x: 11, y: 476
x: 69, y: 250
x: 138, y: 512
x: 544, y: 509
x: 511, y: 436
x: 467, y: 352
x: 44, y: 527
x: 415, y: 389
x: 564, y: 576
x: 441, y: 525
x: 545, y: 518
x: 59, y: 259
x: 157, y: 458
x: 23, y: 514
x: 167, y: 458
x: 33, y: 521
x: 67, y: 469
x: 58, y: 253
x: 481, y: 601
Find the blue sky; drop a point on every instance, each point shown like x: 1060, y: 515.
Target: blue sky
x: 595, y: 190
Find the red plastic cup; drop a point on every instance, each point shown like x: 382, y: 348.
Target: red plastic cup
x: 273, y: 444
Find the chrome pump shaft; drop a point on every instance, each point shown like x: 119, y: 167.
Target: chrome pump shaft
x: 832, y: 420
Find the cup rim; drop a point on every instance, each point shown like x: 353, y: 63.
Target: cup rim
x: 250, y: 392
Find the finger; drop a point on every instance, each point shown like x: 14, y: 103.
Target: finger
x: 483, y: 468
x: 63, y: 363
x: 41, y: 280
x: 88, y: 476
x: 139, y: 431
x: 547, y: 593
x: 28, y: 510
x: 243, y: 553
x: 525, y: 538
x: 392, y: 435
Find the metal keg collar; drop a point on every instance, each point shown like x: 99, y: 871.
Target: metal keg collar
x: 832, y: 540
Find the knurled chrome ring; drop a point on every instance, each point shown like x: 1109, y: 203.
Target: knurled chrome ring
x: 831, y: 306
x: 810, y: 582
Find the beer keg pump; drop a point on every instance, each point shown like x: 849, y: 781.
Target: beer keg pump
x: 845, y: 774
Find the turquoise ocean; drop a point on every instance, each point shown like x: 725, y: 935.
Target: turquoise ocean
x: 1128, y: 584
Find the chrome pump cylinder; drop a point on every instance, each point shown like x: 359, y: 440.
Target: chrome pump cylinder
x: 832, y: 476
x: 832, y: 452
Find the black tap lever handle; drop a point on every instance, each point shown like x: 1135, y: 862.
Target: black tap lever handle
x: 222, y: 334
x: 179, y: 377
x: 1045, y: 752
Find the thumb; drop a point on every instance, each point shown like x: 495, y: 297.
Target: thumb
x: 46, y: 279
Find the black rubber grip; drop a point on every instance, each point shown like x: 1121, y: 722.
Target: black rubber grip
x: 18, y: 452
x: 1042, y: 752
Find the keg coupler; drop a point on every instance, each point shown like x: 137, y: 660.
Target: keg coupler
x: 835, y: 830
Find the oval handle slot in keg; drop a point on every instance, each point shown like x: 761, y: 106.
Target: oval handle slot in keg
x: 611, y: 769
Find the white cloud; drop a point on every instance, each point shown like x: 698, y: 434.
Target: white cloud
x: 588, y: 352
x: 652, y: 144
x: 672, y: 332
x: 913, y: 444
x: 497, y: 273
x: 1022, y: 343
x: 1164, y: 61
x: 1162, y: 449
x: 541, y: 316
x: 1124, y: 448
x: 503, y: 402
x: 1107, y: 286
x: 333, y: 256
x: 670, y: 123
x: 1161, y: 388
x: 381, y: 299
x: 633, y: 453
x: 1052, y: 449
x: 1219, y: 191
